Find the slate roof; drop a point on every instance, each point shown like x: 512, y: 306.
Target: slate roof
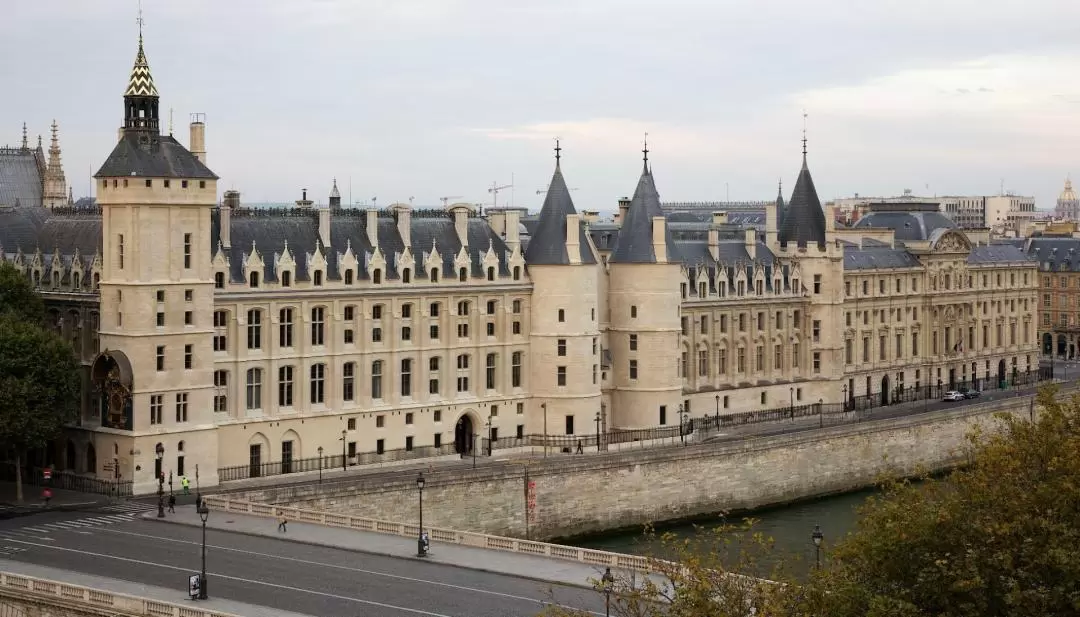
x: 161, y: 157
x: 999, y: 254
x: 270, y: 231
x: 875, y: 256
x: 634, y: 243
x: 141, y: 82
x: 733, y: 256
x: 804, y: 220
x: 547, y: 242
x: 20, y: 178
x: 1054, y: 254
x: 914, y: 225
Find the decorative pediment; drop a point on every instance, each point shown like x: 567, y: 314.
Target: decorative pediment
x: 950, y: 241
x: 285, y: 259
x: 221, y: 258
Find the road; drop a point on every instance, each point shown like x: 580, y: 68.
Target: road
x: 285, y: 575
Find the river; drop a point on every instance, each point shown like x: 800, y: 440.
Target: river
x: 789, y: 526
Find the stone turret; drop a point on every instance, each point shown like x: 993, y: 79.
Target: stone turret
x: 55, y: 190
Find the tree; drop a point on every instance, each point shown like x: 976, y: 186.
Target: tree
x: 998, y: 537
x: 39, y: 379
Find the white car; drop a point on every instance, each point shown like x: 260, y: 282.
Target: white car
x: 953, y: 395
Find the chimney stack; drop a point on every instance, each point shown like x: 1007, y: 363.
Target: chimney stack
x: 198, y: 137
x: 573, y: 237
x: 659, y: 241
x: 624, y: 207
x: 461, y: 212
x: 770, y: 223
x: 719, y: 218
x: 304, y: 202
x: 372, y: 227
x: 324, y: 224
x: 230, y: 202
x: 751, y: 243
x: 714, y: 243
x: 403, y: 216
x: 513, y: 228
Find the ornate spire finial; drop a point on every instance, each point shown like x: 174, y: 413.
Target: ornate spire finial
x: 780, y: 187
x: 39, y: 141
x: 139, y: 21
x: 804, y: 133
x: 645, y: 150
x: 25, y: 145
x: 558, y: 152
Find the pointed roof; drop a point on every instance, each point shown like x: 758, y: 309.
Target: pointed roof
x: 548, y: 243
x: 141, y: 82
x: 334, y: 191
x: 634, y: 243
x: 781, y: 208
x: 804, y: 220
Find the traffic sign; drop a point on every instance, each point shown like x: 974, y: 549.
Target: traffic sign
x: 47, y: 473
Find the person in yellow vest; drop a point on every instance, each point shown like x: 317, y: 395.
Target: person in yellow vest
x: 186, y: 484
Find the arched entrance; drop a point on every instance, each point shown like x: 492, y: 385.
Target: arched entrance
x: 1048, y: 344
x: 112, y: 379
x: 1061, y: 346
x: 885, y: 390
x: 1001, y: 373
x: 464, y: 433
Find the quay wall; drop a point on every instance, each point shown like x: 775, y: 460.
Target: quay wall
x: 587, y: 494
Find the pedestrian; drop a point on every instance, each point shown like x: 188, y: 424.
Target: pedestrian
x: 172, y: 503
x: 46, y: 495
x: 579, y: 446
x: 282, y: 522
x: 186, y: 484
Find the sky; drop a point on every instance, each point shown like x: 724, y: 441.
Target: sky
x: 424, y: 99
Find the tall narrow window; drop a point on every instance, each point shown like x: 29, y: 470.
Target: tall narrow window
x: 376, y: 379
x: 221, y: 393
x: 406, y: 378
x: 187, y: 251
x: 489, y: 371
x: 515, y: 369
x: 286, y: 278
x: 221, y: 323
x: 317, y: 325
x: 433, y: 376
x: 318, y: 384
x: 120, y: 251
x: 254, y: 329
x: 285, y: 386
x: 156, y: 406
x: 254, y: 388
x: 285, y: 327
x: 181, y: 407
x: 348, y: 377
x: 463, y: 373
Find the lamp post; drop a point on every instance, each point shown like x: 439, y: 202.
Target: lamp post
x: 717, y: 412
x: 821, y: 412
x: 475, y: 438
x: 607, y: 581
x: 344, y: 461
x: 487, y: 425
x: 320, y: 464
x: 791, y: 402
x: 682, y: 424
x: 544, y: 407
x: 170, y: 484
x: 598, y: 431
x: 198, y: 491
x: 420, y: 549
x: 843, y: 398
x: 204, y: 513
x: 160, y: 453
x: 817, y: 537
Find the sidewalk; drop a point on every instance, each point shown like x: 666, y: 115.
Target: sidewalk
x: 32, y: 497
x: 496, y: 562
x: 160, y: 594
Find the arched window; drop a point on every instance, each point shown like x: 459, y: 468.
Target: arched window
x: 254, y: 388
x: 56, y: 279
x: 286, y: 278
x: 318, y: 278
x: 406, y: 275
x: 491, y: 273
x: 253, y: 280
x: 219, y: 280
x: 376, y: 276
x: 434, y: 275
x: 76, y: 280
x: 463, y: 275
x: 349, y: 276
x: 517, y: 273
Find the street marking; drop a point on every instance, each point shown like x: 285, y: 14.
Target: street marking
x: 243, y: 580
x: 330, y: 565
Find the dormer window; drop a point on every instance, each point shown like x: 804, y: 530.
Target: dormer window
x: 253, y: 280
x: 318, y: 278
x: 434, y: 275
x: 286, y: 279
x: 490, y: 273
x: 349, y: 276
x: 406, y: 276
x: 219, y: 280
x: 376, y: 276
x: 463, y: 275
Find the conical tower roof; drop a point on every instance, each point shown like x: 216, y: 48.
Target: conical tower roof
x: 334, y: 191
x: 781, y: 208
x: 804, y: 220
x: 547, y: 245
x: 634, y: 243
x: 141, y: 82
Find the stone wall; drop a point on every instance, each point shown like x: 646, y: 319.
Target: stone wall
x: 585, y: 494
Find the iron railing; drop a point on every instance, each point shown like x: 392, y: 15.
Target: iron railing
x: 66, y: 480
x: 329, y: 462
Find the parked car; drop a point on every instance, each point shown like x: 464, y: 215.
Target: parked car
x: 970, y: 393
x: 952, y: 395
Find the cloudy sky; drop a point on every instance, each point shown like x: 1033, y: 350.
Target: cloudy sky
x: 431, y: 98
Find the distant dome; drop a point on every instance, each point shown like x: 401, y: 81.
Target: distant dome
x: 908, y: 225
x: 1068, y: 194
x: 522, y: 229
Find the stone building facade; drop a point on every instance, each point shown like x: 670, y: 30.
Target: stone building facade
x: 220, y: 336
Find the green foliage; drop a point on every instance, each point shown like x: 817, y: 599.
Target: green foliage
x: 17, y: 296
x: 1000, y: 537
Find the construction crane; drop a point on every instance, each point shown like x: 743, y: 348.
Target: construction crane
x: 494, y: 190
x: 446, y: 200
x: 542, y: 191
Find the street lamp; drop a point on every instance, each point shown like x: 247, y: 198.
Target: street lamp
x: 420, y: 548
x: 544, y: 407
x: 607, y: 581
x: 488, y: 426
x: 791, y: 401
x: 843, y: 398
x: 817, y: 537
x: 320, y: 464
x: 198, y: 489
x: 160, y: 452
x: 343, y: 460
x: 598, y: 431
x: 204, y: 513
x: 717, y: 412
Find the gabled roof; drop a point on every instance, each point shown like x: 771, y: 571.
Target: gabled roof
x: 157, y: 157
x: 141, y: 82
x: 804, y: 220
x: 547, y: 246
x: 634, y: 244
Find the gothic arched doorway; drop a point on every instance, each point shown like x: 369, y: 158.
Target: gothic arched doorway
x: 885, y: 390
x: 464, y: 433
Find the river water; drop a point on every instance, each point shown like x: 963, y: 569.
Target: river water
x: 789, y: 526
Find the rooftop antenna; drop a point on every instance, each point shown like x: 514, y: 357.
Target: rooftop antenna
x: 494, y: 190
x: 351, y: 202
x: 804, y: 133
x: 170, y: 121
x: 645, y: 150
x: 446, y: 200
